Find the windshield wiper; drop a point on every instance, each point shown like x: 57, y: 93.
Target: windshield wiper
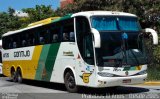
x: 124, y: 46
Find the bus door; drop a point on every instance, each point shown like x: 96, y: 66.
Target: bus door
x: 85, y: 58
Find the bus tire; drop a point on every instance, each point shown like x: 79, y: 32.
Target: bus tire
x: 70, y: 83
x: 19, y: 76
x: 13, y: 76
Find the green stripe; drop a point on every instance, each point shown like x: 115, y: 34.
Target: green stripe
x: 41, y: 63
x: 49, y: 64
x: 68, y: 16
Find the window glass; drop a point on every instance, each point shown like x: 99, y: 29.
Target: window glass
x: 104, y: 23
x: 84, y: 40
x: 68, y: 30
x: 55, y: 34
x: 115, y: 23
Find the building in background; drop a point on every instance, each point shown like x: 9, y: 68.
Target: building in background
x: 20, y: 14
x: 63, y: 3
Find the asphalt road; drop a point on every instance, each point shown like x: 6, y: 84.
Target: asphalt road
x: 44, y: 90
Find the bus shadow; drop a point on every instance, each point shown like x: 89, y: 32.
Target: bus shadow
x: 43, y: 84
x: 113, y: 90
x: 86, y: 90
x: 48, y: 85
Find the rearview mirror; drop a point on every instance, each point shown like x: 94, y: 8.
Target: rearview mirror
x: 153, y: 33
x: 97, y: 39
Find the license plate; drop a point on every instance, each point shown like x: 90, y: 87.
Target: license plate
x: 127, y: 81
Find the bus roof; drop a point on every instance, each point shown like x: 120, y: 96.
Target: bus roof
x: 32, y: 25
x: 21, y: 30
x: 56, y: 19
x: 109, y: 13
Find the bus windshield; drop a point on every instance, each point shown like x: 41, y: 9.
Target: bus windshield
x: 121, y: 43
x: 108, y: 23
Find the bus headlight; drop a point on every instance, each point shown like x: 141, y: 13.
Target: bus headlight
x: 142, y: 72
x: 104, y: 74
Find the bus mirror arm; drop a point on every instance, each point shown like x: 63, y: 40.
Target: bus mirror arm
x: 153, y: 33
x: 97, y: 39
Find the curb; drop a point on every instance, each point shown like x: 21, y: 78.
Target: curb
x: 150, y: 83
x: 153, y: 83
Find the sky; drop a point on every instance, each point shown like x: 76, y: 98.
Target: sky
x: 20, y: 4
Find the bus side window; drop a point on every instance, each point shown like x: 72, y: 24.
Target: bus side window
x: 23, y: 43
x: 55, y: 32
x: 65, y: 37
x: 16, y: 39
x: 14, y: 44
x: 30, y: 39
x: 72, y: 36
x: 68, y: 30
x: 55, y: 38
x: 41, y: 40
x: 10, y: 45
x: 23, y: 40
x: 43, y: 35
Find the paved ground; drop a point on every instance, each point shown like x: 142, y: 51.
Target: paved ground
x: 43, y: 90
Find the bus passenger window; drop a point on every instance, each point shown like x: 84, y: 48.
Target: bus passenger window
x: 55, y: 38
x: 30, y: 42
x: 23, y: 43
x: 68, y: 30
x: 41, y: 40
x: 14, y: 44
x: 29, y: 39
x: 65, y: 36
x: 9, y: 45
x: 43, y: 36
x: 72, y: 36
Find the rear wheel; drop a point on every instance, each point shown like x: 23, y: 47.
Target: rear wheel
x: 13, y: 76
x: 70, y: 82
x: 19, y: 76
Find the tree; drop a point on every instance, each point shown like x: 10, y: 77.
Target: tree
x: 8, y: 22
x: 39, y: 12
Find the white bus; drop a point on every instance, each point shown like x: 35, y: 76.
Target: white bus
x: 94, y: 49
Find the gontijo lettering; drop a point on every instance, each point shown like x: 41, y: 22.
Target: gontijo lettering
x: 22, y: 53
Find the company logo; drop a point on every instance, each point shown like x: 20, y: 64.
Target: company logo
x: 85, y: 77
x: 116, y: 69
x: 69, y: 53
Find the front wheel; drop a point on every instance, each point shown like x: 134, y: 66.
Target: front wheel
x: 70, y: 82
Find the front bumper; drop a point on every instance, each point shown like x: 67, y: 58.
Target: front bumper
x: 117, y: 81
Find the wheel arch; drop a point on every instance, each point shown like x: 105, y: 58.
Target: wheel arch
x: 13, y: 68
x: 19, y: 68
x: 69, y: 69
